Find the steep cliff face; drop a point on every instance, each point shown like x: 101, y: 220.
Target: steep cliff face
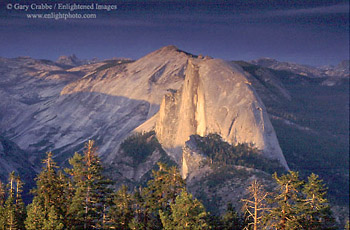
x: 47, y: 107
x: 216, y: 97
x: 192, y: 162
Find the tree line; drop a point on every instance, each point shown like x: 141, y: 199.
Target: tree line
x: 81, y: 197
x: 220, y: 153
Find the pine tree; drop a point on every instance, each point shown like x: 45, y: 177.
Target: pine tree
x: 255, y: 205
x: 2, y: 194
x: 20, y: 209
x: 165, y: 186
x: 160, y: 193
x: 9, y: 204
x: 35, y: 215
x: 2, y: 218
x: 317, y: 214
x: 2, y: 208
x: 136, y: 224
x: 65, y: 188
x: 185, y: 214
x: 14, y: 208
x: 231, y: 219
x: 217, y: 222
x: 49, y: 196
x: 90, y: 190
x: 284, y: 215
x: 347, y: 225
x: 121, y: 212
x: 10, y: 214
x: 53, y: 220
x: 50, y: 186
x: 75, y: 210
x: 140, y: 210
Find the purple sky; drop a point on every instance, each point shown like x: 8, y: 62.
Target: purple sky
x: 309, y: 32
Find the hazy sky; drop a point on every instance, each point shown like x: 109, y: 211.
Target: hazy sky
x: 308, y: 32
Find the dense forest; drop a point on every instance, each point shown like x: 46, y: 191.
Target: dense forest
x: 81, y: 197
x: 220, y: 153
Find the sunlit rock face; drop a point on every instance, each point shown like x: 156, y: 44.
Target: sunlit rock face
x: 193, y: 161
x: 125, y: 95
x: 216, y: 97
x: 49, y: 107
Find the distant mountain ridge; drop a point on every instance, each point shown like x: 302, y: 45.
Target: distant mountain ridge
x: 339, y: 71
x: 74, y: 61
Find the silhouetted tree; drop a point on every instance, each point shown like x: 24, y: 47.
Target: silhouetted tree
x: 255, y: 205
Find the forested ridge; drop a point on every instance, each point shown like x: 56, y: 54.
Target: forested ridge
x: 81, y: 197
